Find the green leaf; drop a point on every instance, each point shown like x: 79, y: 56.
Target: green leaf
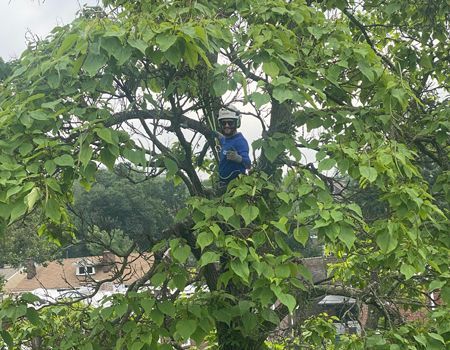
x: 281, y: 224
x: 282, y: 94
x: 271, y: 69
x: 204, y: 239
x: 220, y: 86
x: 137, y: 157
x: 282, y: 271
x: 401, y: 96
x: 375, y: 340
x: 179, y: 281
x: 17, y: 211
x: 301, y: 235
x: 25, y: 148
x: 271, y: 153
x: 240, y: 268
x: 33, y: 316
x: 147, y: 304
x: 181, y: 253
x: 436, y: 336
x: 326, y: 164
x: 387, y: 242
x: 52, y: 210
x: 167, y: 308
x: 7, y: 338
x: 107, y: 158
x: 136, y: 345
x: 284, y: 197
x: 368, y: 172
x: 157, y: 317
x: 316, y: 31
x: 407, y: 270
x: 174, y: 54
x: 115, y: 48
x: 30, y: 298
x: 85, y: 154
x: 53, y: 184
x: 165, y: 41
x: 186, y: 328
x: 249, y: 213
x: 284, y: 298
x: 87, y: 346
x: 158, y: 279
x: 139, y: 44
x: 64, y: 160
x: 436, y: 284
x: 50, y: 166
x: 171, y: 166
x: 67, y: 43
x: 366, y: 71
x: 305, y: 272
x: 191, y: 55
x: 271, y: 316
x: 40, y: 115
x: 32, y: 197
x: 105, y: 134
x: 392, y: 7
x: 78, y: 64
x: 93, y: 63
x: 12, y: 191
x: 288, y: 300
x: 347, y: 235
x: 356, y: 208
x: 208, y: 258
x: 260, y: 99
x: 225, y: 212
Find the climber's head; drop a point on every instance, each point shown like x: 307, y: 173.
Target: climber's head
x: 229, y: 121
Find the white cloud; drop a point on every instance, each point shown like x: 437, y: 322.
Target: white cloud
x: 38, y: 17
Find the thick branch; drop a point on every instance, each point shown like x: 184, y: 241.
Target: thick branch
x: 185, y: 122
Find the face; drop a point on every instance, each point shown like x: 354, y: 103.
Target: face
x: 228, y: 126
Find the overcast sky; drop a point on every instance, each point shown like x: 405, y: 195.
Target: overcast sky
x: 37, y: 16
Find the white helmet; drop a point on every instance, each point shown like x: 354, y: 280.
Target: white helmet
x: 230, y: 114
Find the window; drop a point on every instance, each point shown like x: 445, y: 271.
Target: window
x: 85, y: 270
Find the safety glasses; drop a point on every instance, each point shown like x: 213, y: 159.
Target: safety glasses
x: 231, y: 123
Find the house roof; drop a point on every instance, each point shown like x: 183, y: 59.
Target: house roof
x: 8, y: 272
x: 62, y: 274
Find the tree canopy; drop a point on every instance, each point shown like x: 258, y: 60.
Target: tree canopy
x: 363, y: 85
x: 141, y: 208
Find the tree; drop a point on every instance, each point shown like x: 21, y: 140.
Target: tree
x: 21, y: 242
x: 141, y: 209
x: 5, y: 69
x: 364, y: 85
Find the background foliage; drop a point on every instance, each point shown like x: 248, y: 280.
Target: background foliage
x: 362, y: 85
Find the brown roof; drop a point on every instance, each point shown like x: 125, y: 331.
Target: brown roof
x: 62, y: 274
x: 8, y: 272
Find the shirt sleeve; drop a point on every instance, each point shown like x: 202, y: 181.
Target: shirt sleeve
x: 243, y: 151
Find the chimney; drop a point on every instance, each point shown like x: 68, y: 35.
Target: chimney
x: 30, y: 268
x: 108, y: 260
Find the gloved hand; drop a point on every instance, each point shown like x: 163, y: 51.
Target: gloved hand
x: 234, y: 156
x: 216, y: 134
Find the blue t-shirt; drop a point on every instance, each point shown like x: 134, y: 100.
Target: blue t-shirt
x: 228, y: 170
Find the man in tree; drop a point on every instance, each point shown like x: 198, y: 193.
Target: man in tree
x: 233, y: 158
